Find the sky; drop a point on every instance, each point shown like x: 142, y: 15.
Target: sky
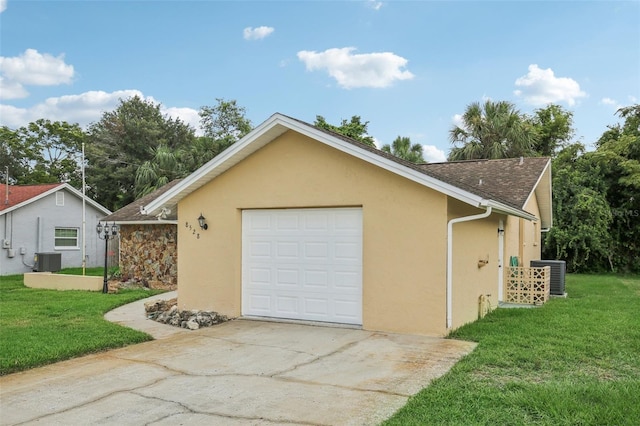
x: 408, y: 68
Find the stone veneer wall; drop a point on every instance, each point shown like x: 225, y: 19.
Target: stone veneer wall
x: 149, y: 254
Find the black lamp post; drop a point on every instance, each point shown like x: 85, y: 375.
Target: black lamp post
x: 106, y: 232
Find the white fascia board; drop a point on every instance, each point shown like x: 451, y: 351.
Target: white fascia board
x: 234, y: 154
x: 54, y: 190
x: 546, y: 192
x: 261, y: 135
x: 385, y: 163
x: 503, y: 208
x: 33, y: 199
x: 146, y: 222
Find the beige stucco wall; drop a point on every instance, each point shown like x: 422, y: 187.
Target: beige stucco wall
x: 149, y: 254
x: 523, y: 237
x: 531, y: 236
x: 404, y: 228
x: 474, y: 243
x: 49, y: 281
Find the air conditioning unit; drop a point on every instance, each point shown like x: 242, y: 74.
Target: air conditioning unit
x: 47, y: 262
x: 558, y: 271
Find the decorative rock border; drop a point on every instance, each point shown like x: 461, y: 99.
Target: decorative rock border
x: 167, y: 312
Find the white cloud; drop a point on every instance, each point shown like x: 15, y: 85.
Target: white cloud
x: 457, y: 120
x: 12, y: 89
x: 187, y: 115
x: 31, y: 69
x: 541, y: 86
x: 351, y: 70
x: 375, y: 5
x: 84, y: 109
x: 3, y: 5
x: 257, y: 33
x: 433, y: 154
x: 608, y: 101
x: 36, y: 69
x: 632, y: 99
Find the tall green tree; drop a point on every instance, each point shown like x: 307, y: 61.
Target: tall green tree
x: 402, y: 147
x: 554, y: 129
x: 617, y: 155
x: 14, y: 163
x: 225, y: 121
x: 223, y: 124
x: 354, y: 128
x: 123, y: 140
x: 581, y: 213
x: 43, y: 151
x: 596, y: 201
x: 492, y: 130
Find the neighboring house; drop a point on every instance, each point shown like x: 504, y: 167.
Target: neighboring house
x: 302, y: 223
x: 44, y: 219
x: 148, y: 244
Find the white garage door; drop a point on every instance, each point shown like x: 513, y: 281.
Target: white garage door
x: 303, y: 264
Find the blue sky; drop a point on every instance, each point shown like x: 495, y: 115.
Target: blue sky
x: 408, y: 67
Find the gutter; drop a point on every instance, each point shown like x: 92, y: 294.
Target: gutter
x: 450, y: 258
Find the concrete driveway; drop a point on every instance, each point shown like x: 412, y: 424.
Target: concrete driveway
x: 240, y: 372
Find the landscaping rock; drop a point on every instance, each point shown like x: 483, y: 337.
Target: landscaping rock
x: 167, y: 312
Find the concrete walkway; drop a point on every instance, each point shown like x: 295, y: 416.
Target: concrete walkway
x: 240, y: 372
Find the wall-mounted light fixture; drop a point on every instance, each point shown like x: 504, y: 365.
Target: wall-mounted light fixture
x: 202, y: 223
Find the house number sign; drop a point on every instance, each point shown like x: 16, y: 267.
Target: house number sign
x: 192, y: 230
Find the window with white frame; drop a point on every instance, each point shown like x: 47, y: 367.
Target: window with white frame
x: 66, y: 238
x: 59, y: 198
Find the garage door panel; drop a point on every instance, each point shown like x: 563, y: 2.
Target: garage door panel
x: 303, y: 264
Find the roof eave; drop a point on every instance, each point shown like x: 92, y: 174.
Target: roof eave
x: 275, y: 126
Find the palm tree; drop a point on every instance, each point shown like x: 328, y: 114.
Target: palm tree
x: 401, y: 147
x: 492, y: 130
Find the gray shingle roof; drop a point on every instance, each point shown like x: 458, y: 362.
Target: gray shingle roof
x: 131, y: 212
x: 504, y: 180
x: 509, y: 181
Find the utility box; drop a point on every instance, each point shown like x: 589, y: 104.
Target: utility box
x: 47, y: 262
x: 558, y: 272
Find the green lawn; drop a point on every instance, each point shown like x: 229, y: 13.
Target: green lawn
x: 574, y: 361
x: 39, y: 327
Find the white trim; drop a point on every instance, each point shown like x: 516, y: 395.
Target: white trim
x: 487, y: 213
x: 549, y: 190
x: 278, y: 124
x: 53, y: 190
x: 500, y: 259
x: 145, y: 222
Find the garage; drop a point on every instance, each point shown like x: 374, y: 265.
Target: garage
x: 303, y: 264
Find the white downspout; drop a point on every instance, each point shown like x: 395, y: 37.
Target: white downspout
x: 450, y: 258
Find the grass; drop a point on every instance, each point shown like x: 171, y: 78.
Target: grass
x: 39, y: 327
x: 575, y: 361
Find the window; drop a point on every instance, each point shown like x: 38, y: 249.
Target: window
x: 59, y: 198
x: 66, y: 238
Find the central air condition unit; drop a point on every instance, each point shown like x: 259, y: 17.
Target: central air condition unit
x: 47, y: 262
x: 558, y: 271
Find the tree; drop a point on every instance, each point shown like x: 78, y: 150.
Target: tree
x: 554, y: 129
x: 224, y: 121
x: 492, y: 130
x: 581, y: 234
x: 354, y: 129
x: 43, y: 151
x: 223, y: 124
x: 13, y: 158
x: 401, y: 147
x: 596, y: 201
x: 122, y: 141
x: 618, y: 157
